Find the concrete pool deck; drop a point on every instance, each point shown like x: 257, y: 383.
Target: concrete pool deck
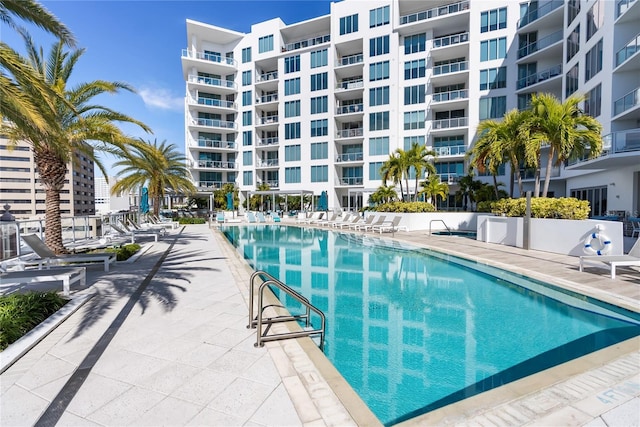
x: 164, y: 342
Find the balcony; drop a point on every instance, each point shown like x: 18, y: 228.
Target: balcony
x: 208, y: 62
x: 214, y: 123
x: 450, y: 96
x: 538, y: 45
x: 453, y: 150
x: 350, y: 157
x: 449, y: 123
x: 547, y: 74
x: 350, y: 60
x: 272, y: 183
x: 619, y: 149
x: 210, y: 185
x: 622, y: 6
x: 350, y: 133
x: 353, y: 180
x: 267, y: 98
x: 539, y: 12
x: 450, y: 40
x: 210, y: 102
x: 529, y: 173
x: 268, y: 163
x: 435, y: 12
x: 306, y: 43
x: 350, y: 108
x: 214, y: 164
x: 628, y: 51
x: 267, y: 120
x: 356, y: 83
x: 261, y: 142
x: 454, y: 67
x: 266, y: 77
x: 626, y: 102
x: 214, y: 143
x: 209, y: 81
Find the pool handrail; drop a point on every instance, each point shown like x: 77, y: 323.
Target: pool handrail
x: 443, y: 223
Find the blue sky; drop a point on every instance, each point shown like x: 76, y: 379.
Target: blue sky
x: 140, y: 43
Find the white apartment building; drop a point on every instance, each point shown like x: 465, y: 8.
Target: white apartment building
x: 319, y: 105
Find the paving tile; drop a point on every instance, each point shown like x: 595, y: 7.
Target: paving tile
x: 18, y: 407
x: 169, y: 412
x: 128, y: 366
x: 126, y: 408
x: 96, y: 392
x: 241, y: 398
x: 627, y: 414
x: 234, y: 361
x: 277, y: 409
x: 71, y: 420
x: 211, y: 417
x: 46, y: 370
x: 202, y: 388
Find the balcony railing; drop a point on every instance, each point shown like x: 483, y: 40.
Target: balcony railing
x: 210, y: 81
x: 268, y: 163
x: 628, y: 101
x: 622, y: 6
x: 268, y: 141
x: 216, y: 103
x: 450, y: 178
x: 352, y: 180
x: 267, y: 98
x: 186, y: 53
x: 306, y: 43
x: 539, y: 12
x: 349, y: 60
x: 554, y: 71
x: 435, y: 12
x: 267, y: 120
x: 350, y: 84
x: 450, y: 40
x: 350, y: 133
x: 272, y: 75
x: 350, y: 157
x: 351, y: 108
x: 449, y: 123
x: 540, y: 44
x: 214, y: 164
x: 450, y: 96
x: 454, y: 67
x: 530, y: 173
x: 214, y: 123
x: 214, y: 143
x: 617, y: 142
x: 453, y: 150
x: 210, y: 184
x: 628, y: 51
x: 272, y: 183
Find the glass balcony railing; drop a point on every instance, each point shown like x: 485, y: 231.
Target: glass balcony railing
x: 350, y: 84
x: 454, y: 67
x: 349, y: 60
x: 528, y: 173
x: 268, y: 141
x: 449, y: 123
x: 540, y: 44
x: 628, y: 51
x: 216, y: 103
x: 450, y: 178
x: 268, y: 163
x: 350, y: 133
x: 267, y: 120
x: 435, y: 12
x: 540, y: 77
x: 450, y: 40
x: 539, y: 12
x: 214, y: 143
x: 205, y: 56
x: 453, y: 150
x: 214, y: 164
x: 213, y: 82
x: 627, y: 102
x: 621, y: 142
x: 272, y: 183
x: 622, y: 6
x: 351, y: 180
x: 267, y: 98
x: 306, y: 43
x: 215, y: 123
x: 350, y: 157
x: 272, y: 75
x: 210, y: 184
x: 351, y: 108
x: 450, y: 96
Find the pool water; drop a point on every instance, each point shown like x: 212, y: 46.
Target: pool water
x: 413, y: 330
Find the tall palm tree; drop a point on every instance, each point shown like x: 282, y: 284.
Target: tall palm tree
x: 393, y: 170
x: 384, y: 194
x: 159, y: 167
x: 75, y: 125
x: 421, y: 160
x: 568, y: 132
x: 432, y: 188
x: 467, y: 190
x: 33, y: 12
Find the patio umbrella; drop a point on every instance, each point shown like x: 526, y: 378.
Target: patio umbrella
x: 229, y: 201
x: 323, y: 203
x: 144, y: 200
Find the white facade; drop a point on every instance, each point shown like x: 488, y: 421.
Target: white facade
x: 106, y: 202
x: 319, y: 105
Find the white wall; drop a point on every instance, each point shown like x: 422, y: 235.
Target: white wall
x: 465, y: 221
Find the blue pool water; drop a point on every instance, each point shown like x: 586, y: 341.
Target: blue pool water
x: 413, y: 330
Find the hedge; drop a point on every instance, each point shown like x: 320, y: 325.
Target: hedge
x: 543, y: 207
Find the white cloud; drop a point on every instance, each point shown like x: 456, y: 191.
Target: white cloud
x: 161, y: 98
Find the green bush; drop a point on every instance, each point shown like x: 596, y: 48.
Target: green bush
x: 405, y: 207
x: 543, y: 207
x: 19, y: 313
x: 123, y: 253
x: 484, y: 206
x: 192, y: 221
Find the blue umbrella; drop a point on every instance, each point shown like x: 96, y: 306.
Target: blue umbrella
x: 144, y: 200
x: 229, y: 201
x: 323, y: 204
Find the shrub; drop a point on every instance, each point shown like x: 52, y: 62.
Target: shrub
x: 19, y: 313
x: 405, y: 207
x: 543, y: 207
x: 484, y: 206
x: 123, y: 253
x: 192, y: 221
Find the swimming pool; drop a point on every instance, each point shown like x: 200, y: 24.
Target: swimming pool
x: 413, y: 330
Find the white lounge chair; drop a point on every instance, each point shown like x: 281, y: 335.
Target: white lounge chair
x: 333, y: 217
x: 378, y: 222
x: 357, y: 219
x: 390, y: 227
x: 361, y: 225
x: 48, y: 257
x: 347, y: 218
x: 67, y: 276
x: 632, y: 259
x: 131, y: 225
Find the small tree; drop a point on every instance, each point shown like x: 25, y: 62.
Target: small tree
x: 433, y: 188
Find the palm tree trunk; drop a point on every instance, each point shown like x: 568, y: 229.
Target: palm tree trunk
x: 52, y: 172
x: 536, y: 189
x: 547, y: 176
x: 495, y: 185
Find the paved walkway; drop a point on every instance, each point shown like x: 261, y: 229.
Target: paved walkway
x: 164, y: 342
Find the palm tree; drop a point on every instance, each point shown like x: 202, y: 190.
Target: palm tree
x: 384, y: 194
x: 160, y: 167
x: 467, y: 191
x: 393, y: 169
x: 421, y: 160
x: 33, y: 12
x: 568, y: 132
x: 433, y: 188
x: 75, y: 125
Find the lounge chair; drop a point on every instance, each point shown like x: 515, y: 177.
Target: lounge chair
x: 347, y: 224
x: 316, y: 220
x: 220, y: 217
x: 635, y: 227
x: 149, y: 228
x: 346, y: 218
x: 261, y: 218
x: 123, y: 230
x: 378, y: 222
x: 325, y: 221
x: 48, y: 257
x: 251, y: 217
x: 390, y: 227
x: 632, y: 259
x: 361, y: 225
x: 163, y: 222
x: 67, y: 276
x: 313, y: 217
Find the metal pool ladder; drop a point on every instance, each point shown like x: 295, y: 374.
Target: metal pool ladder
x: 438, y: 220
x: 258, y: 321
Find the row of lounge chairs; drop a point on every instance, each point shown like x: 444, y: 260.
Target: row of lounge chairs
x: 357, y: 223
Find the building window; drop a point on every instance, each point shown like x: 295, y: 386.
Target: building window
x: 319, y: 81
x: 247, y: 178
x: 415, y: 43
x: 349, y: 24
x: 319, y: 58
x: 592, y: 103
x: 246, y: 55
x: 246, y: 78
x: 246, y: 97
x: 247, y: 158
x: 265, y: 44
x: 493, y: 78
x: 374, y: 171
x: 493, y: 108
x: 571, y: 83
x: 597, y: 197
x: 573, y: 42
x: 247, y: 138
x: 246, y: 118
x: 292, y: 175
x: 320, y: 173
x: 292, y: 130
x: 292, y: 86
x: 379, y: 71
x: 524, y: 101
x: 493, y: 49
x: 595, y: 18
x: 409, y: 141
x: 414, y: 69
x: 292, y: 64
x: 319, y: 127
x: 319, y: 150
x: 379, y: 17
x: 414, y: 120
x: 379, y: 146
x: 593, y: 61
x: 379, y: 46
x: 292, y: 108
x: 573, y: 8
x: 292, y: 153
x: 319, y: 105
x: 414, y: 94
x: 379, y: 96
x: 379, y: 121
x: 495, y: 19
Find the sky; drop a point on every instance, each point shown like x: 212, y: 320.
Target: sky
x: 140, y: 43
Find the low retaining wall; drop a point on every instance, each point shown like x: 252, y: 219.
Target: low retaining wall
x: 465, y: 221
